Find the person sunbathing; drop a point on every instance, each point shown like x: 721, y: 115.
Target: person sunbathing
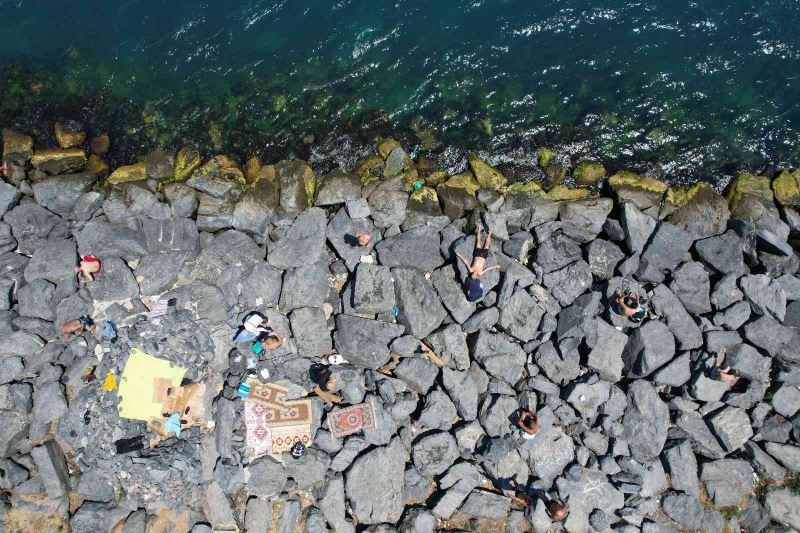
x: 77, y: 327
x: 89, y: 266
x: 477, y: 268
x: 630, y: 306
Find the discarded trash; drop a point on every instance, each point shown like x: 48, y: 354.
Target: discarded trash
x: 110, y: 383
x: 257, y: 348
x: 88, y: 375
x: 395, y: 311
x: 349, y: 420
x: 173, y: 424
x: 109, y: 331
x: 298, y: 450
x: 129, y: 445
x: 336, y: 359
x: 417, y: 185
x: 264, y: 373
x: 244, y: 390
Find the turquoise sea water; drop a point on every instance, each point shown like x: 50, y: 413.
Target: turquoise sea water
x: 696, y: 89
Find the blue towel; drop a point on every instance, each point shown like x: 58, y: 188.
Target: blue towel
x: 173, y: 424
x: 109, y: 332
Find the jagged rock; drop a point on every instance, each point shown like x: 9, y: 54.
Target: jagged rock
x: 36, y: 300
x: 374, y: 484
x: 495, y: 413
x: 9, y: 196
x: 60, y: 194
x: 486, y: 504
x: 569, y: 282
x: 416, y: 248
x: 434, y: 453
x: 732, y: 427
x: 557, y: 252
x: 648, y: 348
x: 735, y: 316
x: 682, y: 465
x: 418, y: 520
x: 58, y: 161
x: 311, y: 331
x: 55, y: 262
x: 256, y: 207
x: 603, y: 258
x: 520, y: 316
x: 637, y: 226
x: 586, y: 398
x: 265, y: 477
x: 691, y: 285
x: 52, y: 467
x: 297, y: 184
x: 450, y: 344
x: 332, y: 505
x: 181, y: 198
x: 583, y: 220
x: 338, y: 187
x: 686, y: 510
x: 93, y: 516
x: 606, y: 355
x: 95, y: 486
x: 102, y: 239
x: 727, y: 480
x: 439, y: 412
x: 680, y: 323
x: 305, y: 286
x: 419, y: 374
x: 388, y: 203
x: 786, y: 454
x: 420, y: 309
x: 303, y: 243
x: 646, y: 421
x: 365, y: 342
x: 463, y: 390
x: 500, y: 357
x: 703, y: 212
x: 765, y: 295
x: 663, y: 252
x: 373, y: 290
x: 341, y: 233
x: 32, y: 226
x: 783, y: 506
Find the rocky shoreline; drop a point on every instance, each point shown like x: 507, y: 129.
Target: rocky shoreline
x: 635, y: 434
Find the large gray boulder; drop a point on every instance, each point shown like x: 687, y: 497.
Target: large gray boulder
x: 646, y: 421
x: 310, y: 329
x: 434, y: 453
x: 727, y: 480
x: 556, y: 252
x: 732, y: 427
x: 341, y: 232
x: 569, y: 282
x: 583, y: 220
x: 606, y: 355
x: 421, y: 311
x: 364, y: 342
x: 173, y: 235
x: 663, y: 252
x: 297, y: 183
x: 36, y: 300
x: 649, y: 348
x: 637, y: 227
x: 682, y: 466
x: 463, y: 390
x: 500, y: 357
x: 32, y: 225
x: 680, y: 323
x: 723, y: 253
x: 520, y: 316
x: 60, y: 194
x: 303, y: 243
x: 374, y: 484
x: 373, y: 289
x: 416, y: 248
x: 102, y: 239
x: 54, y: 261
x: 451, y: 293
x: 115, y: 282
x: 338, y: 187
x: 765, y: 295
x: 691, y: 285
x: 388, y: 202
x: 783, y: 506
x: 305, y: 286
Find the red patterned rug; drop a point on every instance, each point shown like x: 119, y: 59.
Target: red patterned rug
x: 352, y: 419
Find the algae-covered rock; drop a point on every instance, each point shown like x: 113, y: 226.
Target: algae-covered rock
x: 786, y: 188
x: 555, y: 174
x: 96, y: 166
x: 458, y: 194
x: 488, y: 177
x: 100, y: 144
x: 545, y: 156
x: 465, y: 181
x: 523, y: 195
x: 425, y: 200
x: 186, y: 162
x: 58, y: 161
x: 365, y: 167
x: 69, y: 134
x: 160, y: 165
x: 588, y: 172
x: 435, y: 178
x: 644, y: 192
x: 562, y: 193
x: 17, y: 148
x: 387, y: 147
x: 126, y: 173
x: 217, y: 177
x: 750, y: 197
x: 297, y: 184
x: 338, y: 187
x: 699, y: 209
x: 255, y: 208
x: 252, y: 169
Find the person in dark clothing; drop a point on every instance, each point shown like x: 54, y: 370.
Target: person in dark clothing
x: 476, y: 269
x: 77, y: 327
x: 630, y: 305
x: 321, y: 375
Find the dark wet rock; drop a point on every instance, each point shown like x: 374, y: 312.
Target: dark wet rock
x: 704, y: 213
x: 583, y: 220
x: 648, y: 348
x: 603, y: 258
x: 420, y: 309
x: 182, y: 199
x: 765, y: 295
x: 305, y: 286
x: 303, y: 243
x: 727, y: 480
x: 637, y: 227
x: 388, y: 203
x: 557, y: 252
x: 416, y: 248
x: 338, y: 187
x: 691, y: 285
x: 365, y: 342
x: 732, y: 427
x: 686, y: 510
x: 646, y: 421
x: 342, y: 230
x: 663, y: 252
x: 374, y: 484
x: 9, y: 196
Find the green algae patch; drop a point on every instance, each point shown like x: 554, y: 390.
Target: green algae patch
x: 561, y: 193
x: 425, y: 200
x: 186, y: 162
x: 786, y: 188
x: 588, y: 172
x: 545, y: 156
x: 631, y: 179
x: 465, y: 181
x: 487, y: 176
x: 744, y: 185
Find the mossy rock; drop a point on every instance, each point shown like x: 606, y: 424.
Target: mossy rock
x: 555, y: 174
x: 387, y: 146
x: 456, y: 200
x: 435, y: 178
x: 97, y: 167
x: 252, y: 169
x: 100, y: 144
x: 644, y: 192
x: 523, y: 195
x: 127, y: 173
x: 58, y: 161
x: 698, y: 209
x: 409, y: 177
x: 545, y: 156
x: 588, y: 173
x: 487, y: 176
x: 186, y: 162
x: 297, y: 185
x: 465, y: 181
x: 365, y: 167
x: 786, y: 188
x: 560, y: 193
x: 69, y: 135
x: 425, y: 200
x: 17, y: 148
x: 749, y: 196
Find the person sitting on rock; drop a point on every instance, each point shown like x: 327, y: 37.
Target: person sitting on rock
x: 528, y: 422
x: 77, y: 327
x: 630, y: 305
x: 728, y: 376
x: 255, y: 325
x: 321, y: 375
x: 556, y: 509
x: 89, y: 266
x: 472, y: 284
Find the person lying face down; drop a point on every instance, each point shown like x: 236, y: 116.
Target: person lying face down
x: 88, y: 267
x: 476, y: 269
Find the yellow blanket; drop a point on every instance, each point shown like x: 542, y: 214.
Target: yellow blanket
x: 144, y: 383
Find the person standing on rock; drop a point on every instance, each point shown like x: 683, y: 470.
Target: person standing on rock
x: 472, y: 285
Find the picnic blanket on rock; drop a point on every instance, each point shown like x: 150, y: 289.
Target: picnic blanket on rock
x: 274, y: 424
